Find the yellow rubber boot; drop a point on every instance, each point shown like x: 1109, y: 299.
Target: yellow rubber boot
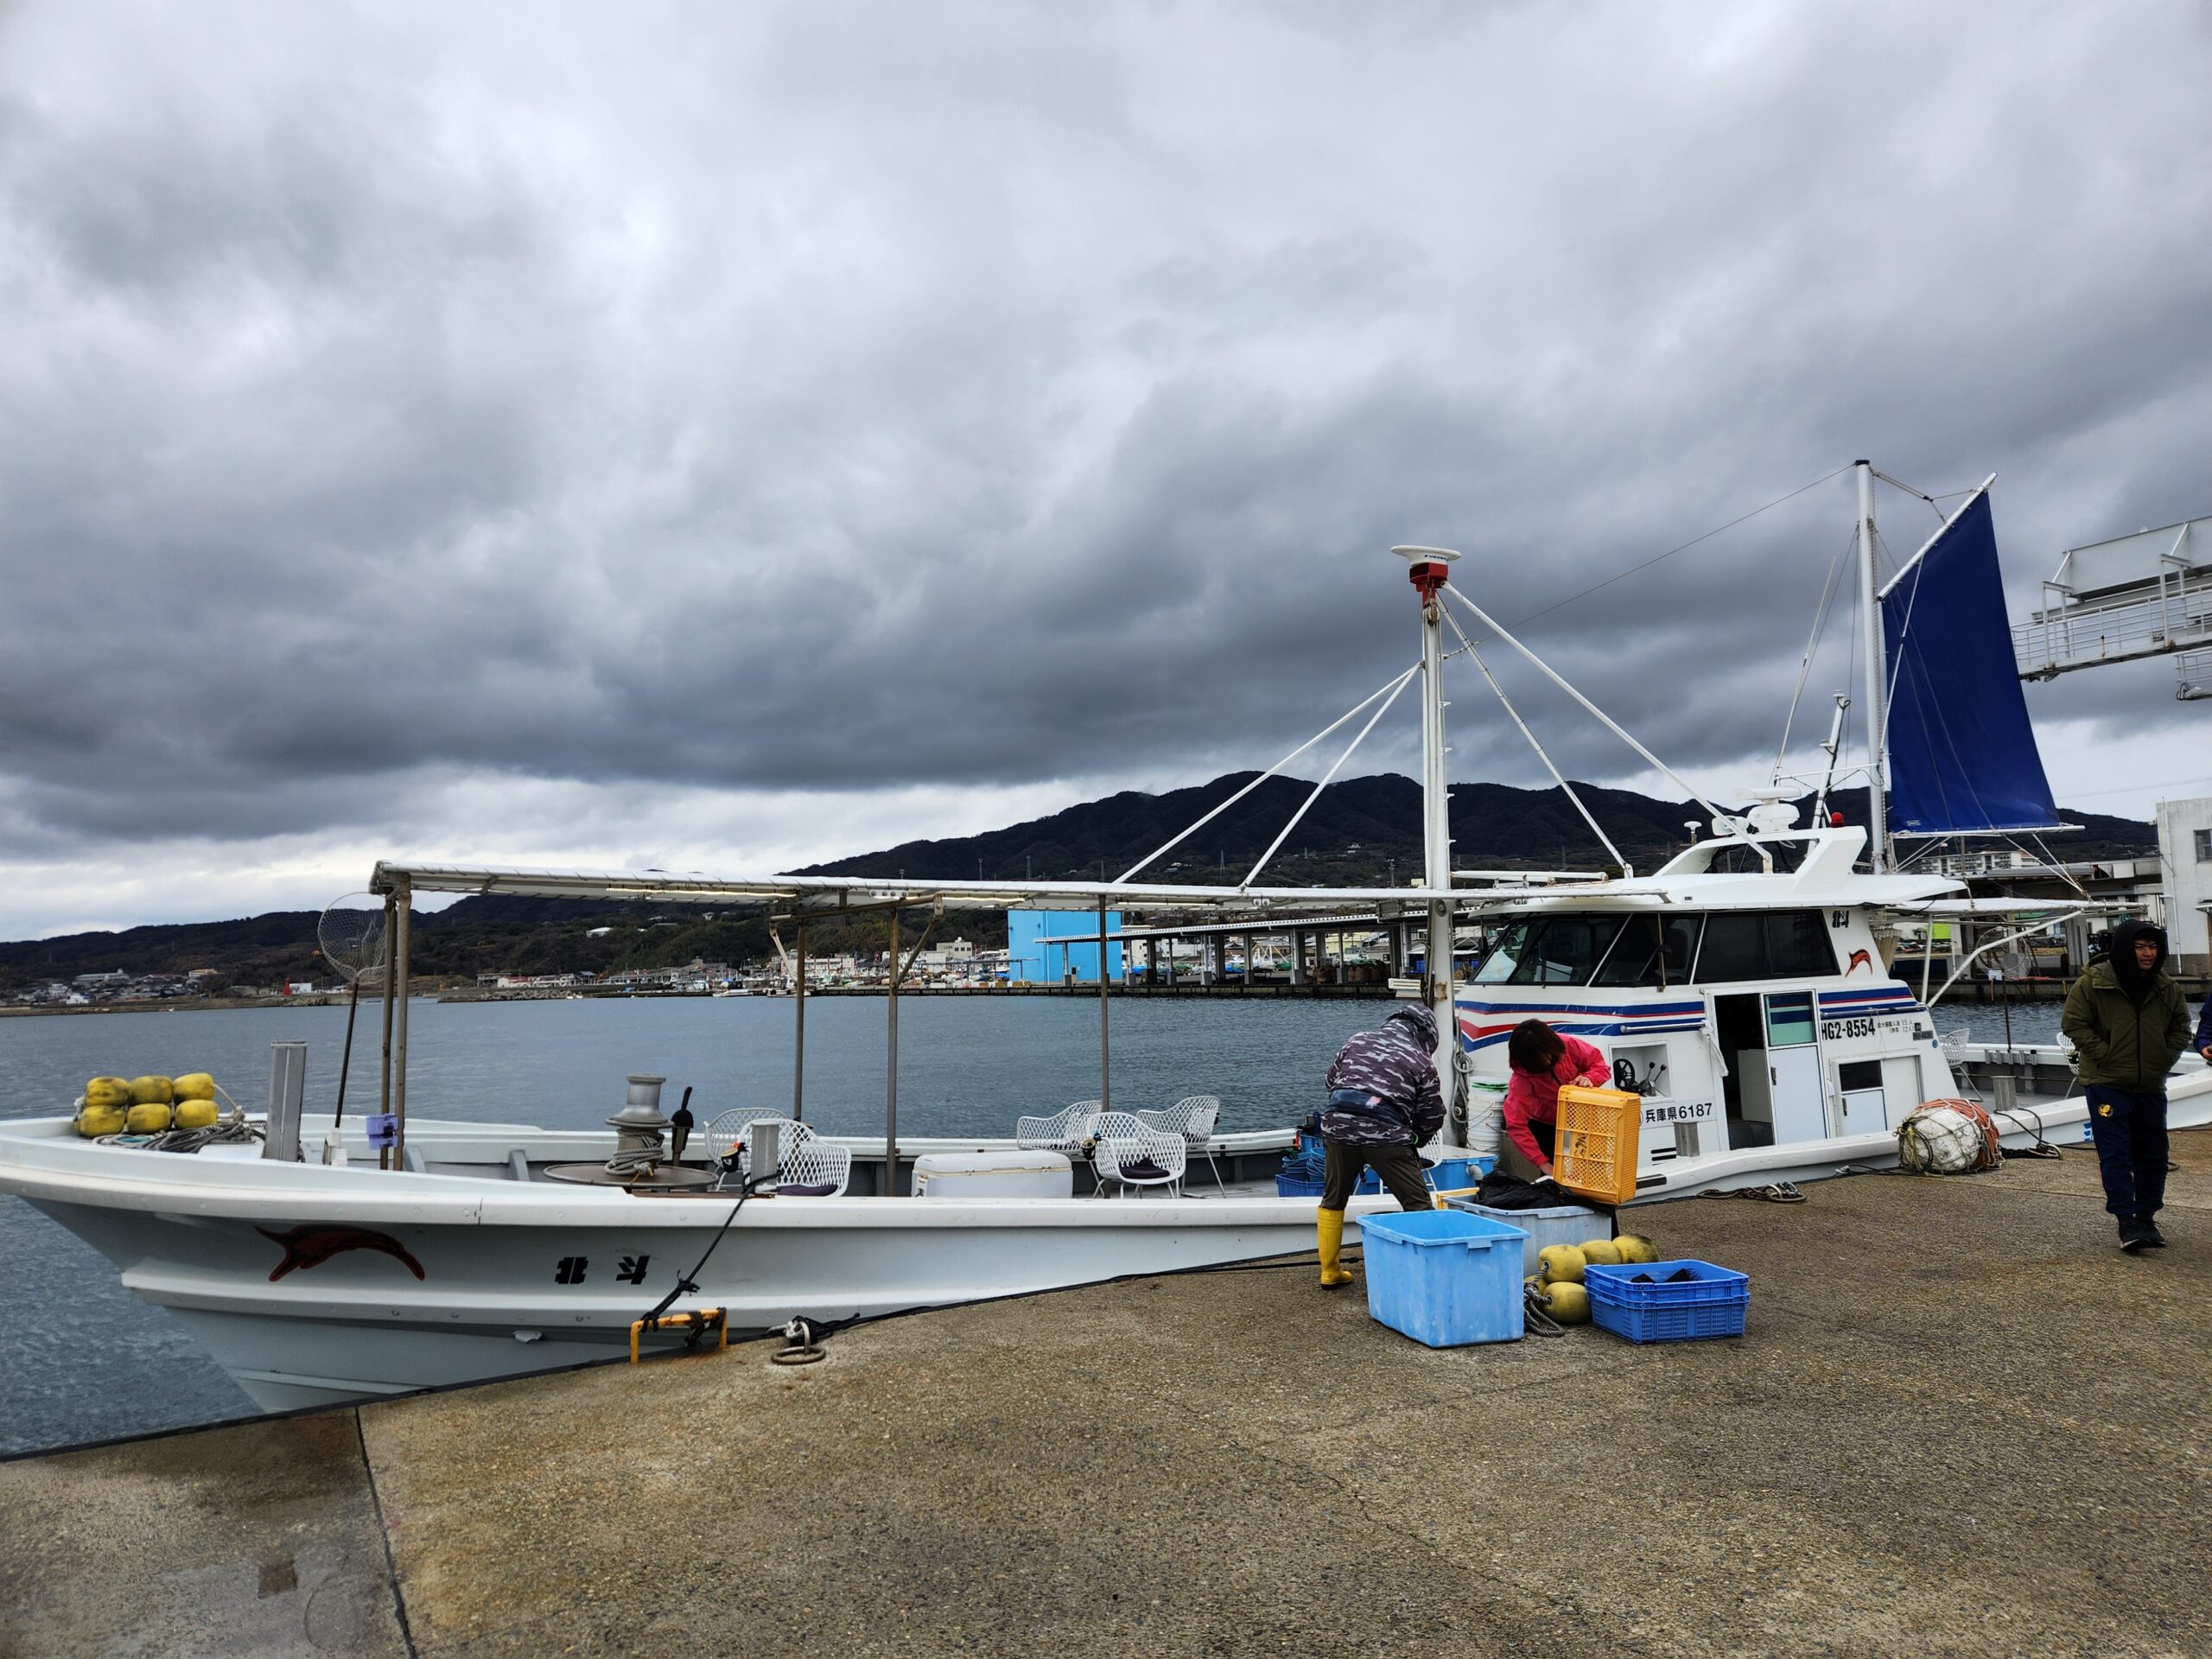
x: 1330, y: 1224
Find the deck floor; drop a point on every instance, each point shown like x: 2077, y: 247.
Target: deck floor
x: 1960, y: 1423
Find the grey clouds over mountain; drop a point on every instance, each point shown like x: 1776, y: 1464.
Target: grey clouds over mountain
x: 751, y: 436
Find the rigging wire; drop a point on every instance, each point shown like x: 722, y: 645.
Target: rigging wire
x: 1390, y: 689
x: 1404, y: 680
x: 1558, y: 777
x: 1812, y: 644
x: 1723, y: 825
x: 1685, y: 547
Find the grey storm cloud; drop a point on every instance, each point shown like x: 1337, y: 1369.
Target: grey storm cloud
x: 841, y: 397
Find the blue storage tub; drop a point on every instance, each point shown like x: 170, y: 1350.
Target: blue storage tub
x: 1652, y: 1302
x: 1442, y: 1277
x: 1455, y: 1174
x: 1450, y: 1175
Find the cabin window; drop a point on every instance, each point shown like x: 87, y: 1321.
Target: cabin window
x: 1549, y: 950
x: 1765, y: 944
x: 1652, y: 950
x: 1789, y: 1018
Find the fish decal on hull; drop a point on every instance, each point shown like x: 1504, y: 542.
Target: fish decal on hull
x: 310, y: 1246
x: 1858, y: 959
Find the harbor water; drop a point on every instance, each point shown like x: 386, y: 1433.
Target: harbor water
x: 81, y: 1359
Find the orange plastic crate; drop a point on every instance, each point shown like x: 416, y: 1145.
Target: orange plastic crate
x: 1595, y: 1150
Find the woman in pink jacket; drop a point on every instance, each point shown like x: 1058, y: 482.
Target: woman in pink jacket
x: 1541, y: 1060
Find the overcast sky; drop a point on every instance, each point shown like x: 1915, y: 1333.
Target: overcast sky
x: 734, y: 437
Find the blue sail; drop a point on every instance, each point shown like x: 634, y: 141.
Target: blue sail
x: 1962, y: 755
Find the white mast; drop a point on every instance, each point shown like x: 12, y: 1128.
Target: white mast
x: 1870, y: 624
x: 1431, y: 567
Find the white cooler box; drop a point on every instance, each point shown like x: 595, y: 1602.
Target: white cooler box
x: 994, y: 1175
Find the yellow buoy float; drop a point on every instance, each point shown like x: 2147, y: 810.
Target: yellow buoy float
x: 1635, y: 1249
x: 197, y: 1114
x: 148, y: 1118
x: 151, y: 1091
x: 1566, y: 1301
x: 96, y: 1121
x: 1560, y: 1263
x: 1601, y: 1252
x: 192, y: 1085
x: 103, y: 1092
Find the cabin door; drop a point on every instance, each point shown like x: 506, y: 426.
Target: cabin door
x: 1794, y: 1101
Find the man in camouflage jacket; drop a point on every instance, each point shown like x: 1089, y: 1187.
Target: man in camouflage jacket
x: 1384, y: 1102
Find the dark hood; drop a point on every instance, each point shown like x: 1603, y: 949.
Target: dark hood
x: 1417, y: 1015
x: 2134, y: 984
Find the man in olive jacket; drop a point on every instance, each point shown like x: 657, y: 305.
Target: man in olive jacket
x: 2128, y: 1023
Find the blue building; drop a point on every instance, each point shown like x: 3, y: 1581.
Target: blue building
x: 1032, y: 956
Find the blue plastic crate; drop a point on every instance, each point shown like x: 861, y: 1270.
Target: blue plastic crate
x: 1290, y: 1186
x: 1651, y: 1302
x: 1454, y: 1174
x: 1442, y: 1277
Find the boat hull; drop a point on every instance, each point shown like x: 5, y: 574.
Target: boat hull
x: 306, y: 1300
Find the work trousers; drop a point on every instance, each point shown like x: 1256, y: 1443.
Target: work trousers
x: 2131, y: 1137
x: 1399, y: 1167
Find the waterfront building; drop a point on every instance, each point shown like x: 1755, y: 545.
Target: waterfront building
x: 2185, y: 872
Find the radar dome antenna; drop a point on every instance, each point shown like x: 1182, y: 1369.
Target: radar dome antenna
x: 354, y: 942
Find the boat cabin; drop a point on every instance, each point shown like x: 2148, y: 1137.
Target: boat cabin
x: 1750, y: 1009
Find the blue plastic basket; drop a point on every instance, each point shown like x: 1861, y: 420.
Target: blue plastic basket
x: 1651, y: 1302
x: 1456, y: 1175
x: 1290, y: 1186
x: 1445, y: 1278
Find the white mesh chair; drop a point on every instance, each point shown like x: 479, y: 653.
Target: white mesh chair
x: 815, y: 1168
x: 1126, y: 1153
x: 1193, y: 1118
x: 1064, y: 1132
x: 730, y: 1128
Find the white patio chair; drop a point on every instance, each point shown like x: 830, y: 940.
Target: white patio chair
x: 1127, y: 1153
x: 733, y: 1128
x: 1193, y: 1118
x: 1064, y: 1132
x: 815, y: 1168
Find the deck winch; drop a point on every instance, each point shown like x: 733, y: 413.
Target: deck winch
x: 641, y: 1156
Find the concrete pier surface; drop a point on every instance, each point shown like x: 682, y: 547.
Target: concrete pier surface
x: 1961, y: 1422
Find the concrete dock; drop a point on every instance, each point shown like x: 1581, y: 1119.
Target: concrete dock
x: 1960, y: 1423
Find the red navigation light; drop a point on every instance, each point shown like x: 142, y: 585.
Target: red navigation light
x: 1428, y: 576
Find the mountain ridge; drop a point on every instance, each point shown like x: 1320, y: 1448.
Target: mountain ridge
x: 1359, y: 832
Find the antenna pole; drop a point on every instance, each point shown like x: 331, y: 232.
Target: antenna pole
x: 1870, y: 624
x: 1431, y: 568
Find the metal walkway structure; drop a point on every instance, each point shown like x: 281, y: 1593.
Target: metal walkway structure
x: 2148, y: 594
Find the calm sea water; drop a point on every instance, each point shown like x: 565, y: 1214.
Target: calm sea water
x: 82, y: 1359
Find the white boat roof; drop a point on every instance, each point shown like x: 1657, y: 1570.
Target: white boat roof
x: 1824, y: 876
x: 694, y: 887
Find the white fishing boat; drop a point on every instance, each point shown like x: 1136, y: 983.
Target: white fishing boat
x: 1743, y: 989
